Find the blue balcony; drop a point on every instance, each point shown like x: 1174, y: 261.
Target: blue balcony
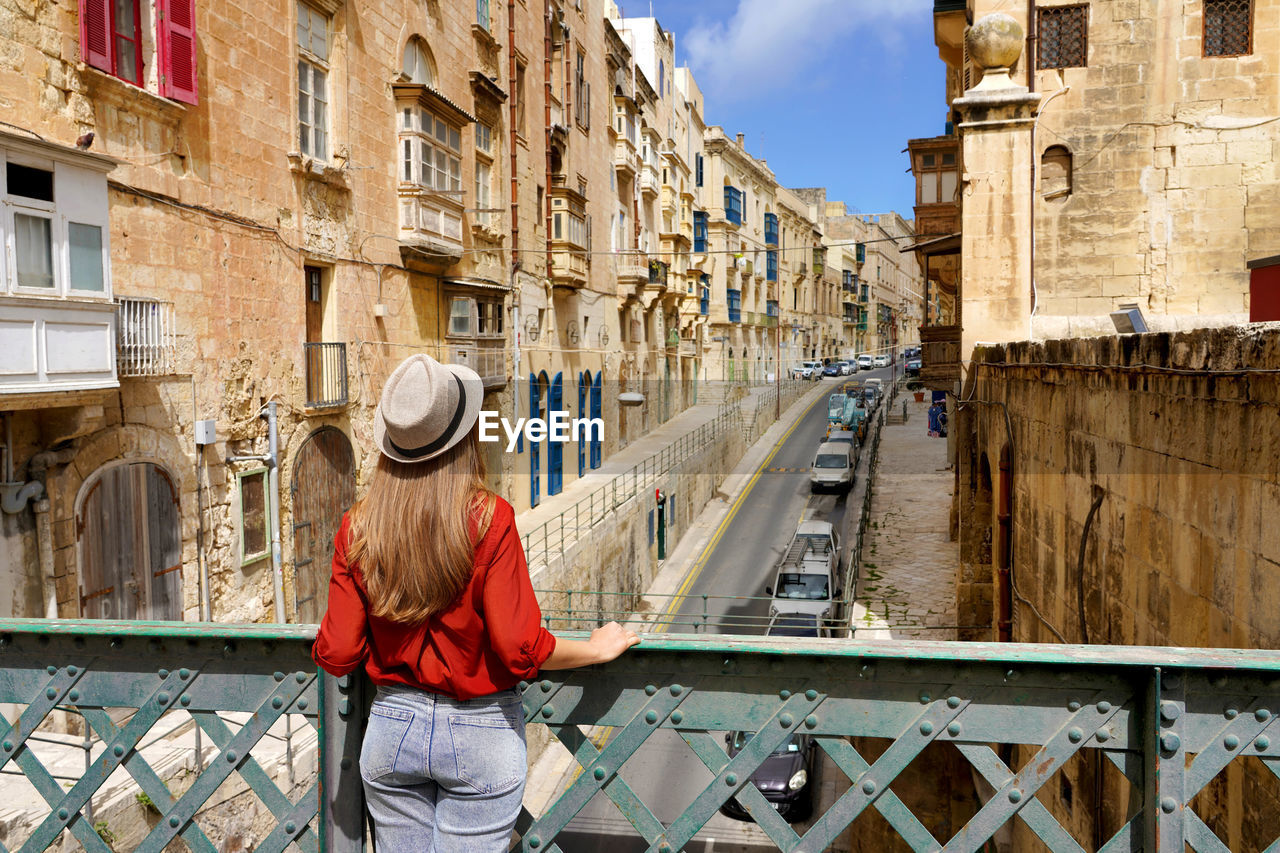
x: 1164, y: 723
x: 700, y: 232
x: 770, y: 229
x: 733, y: 205
x: 734, y: 299
x: 771, y: 265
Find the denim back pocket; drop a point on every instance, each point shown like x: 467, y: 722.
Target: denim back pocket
x: 490, y: 751
x: 383, y: 737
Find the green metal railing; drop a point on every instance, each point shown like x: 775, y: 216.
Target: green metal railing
x: 1171, y: 721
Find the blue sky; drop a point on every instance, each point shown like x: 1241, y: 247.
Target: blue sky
x: 828, y: 91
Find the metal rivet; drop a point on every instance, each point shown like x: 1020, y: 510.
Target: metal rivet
x: 525, y: 707
x: 117, y: 750
x: 953, y: 701
x: 231, y: 756
x: 184, y: 674
x: 1075, y: 735
x: 278, y: 676
x: 1262, y: 743
x: 301, y: 678
x: 51, y: 693
x: 1104, y: 706
x: 1103, y: 735
x: 677, y: 716
x: 1015, y: 796
x: 599, y: 773
x: 1170, y: 711
x: 547, y: 685
x: 1170, y: 742
x: 649, y: 689
x: 786, y: 720
x: 811, y: 695
x: 162, y: 698
x: 548, y: 711
x: 164, y: 673
x: 1231, y: 741
x: 925, y: 698
x: 1012, y: 675
x: 926, y: 728
x: 524, y: 685
x: 811, y: 721
x: 784, y: 694
x: 1073, y: 706
x: 869, y: 787
x: 184, y: 701
x: 535, y: 841
x: 290, y: 827
x: 1262, y: 715
x: 71, y: 670
x: 277, y: 702
x: 229, y: 648
x: 953, y: 729
x: 52, y: 670
x: 731, y: 779
x: 8, y: 746
x: 1168, y: 805
x: 73, y: 695
x: 302, y: 704
x: 664, y: 847
x: 651, y: 717
x: 173, y: 821
x: 1230, y: 713
x: 63, y: 814
x: 676, y: 690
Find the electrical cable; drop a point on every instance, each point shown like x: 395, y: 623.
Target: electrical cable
x: 1098, y: 495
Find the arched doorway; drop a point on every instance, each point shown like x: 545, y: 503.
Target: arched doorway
x: 130, y: 544
x: 323, y: 488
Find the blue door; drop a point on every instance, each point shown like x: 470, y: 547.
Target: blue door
x: 595, y: 414
x: 534, y: 403
x: 584, y: 381
x: 555, y: 449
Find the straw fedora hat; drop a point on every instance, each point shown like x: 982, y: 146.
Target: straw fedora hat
x: 426, y: 408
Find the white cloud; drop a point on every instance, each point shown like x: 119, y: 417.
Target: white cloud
x: 769, y: 44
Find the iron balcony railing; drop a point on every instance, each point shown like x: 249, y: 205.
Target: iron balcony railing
x: 1167, y: 725
x: 326, y: 368
x: 147, y: 340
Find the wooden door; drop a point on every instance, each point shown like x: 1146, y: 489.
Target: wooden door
x: 315, y: 304
x: 130, y: 539
x: 323, y: 488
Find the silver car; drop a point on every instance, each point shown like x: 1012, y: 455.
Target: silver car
x: 832, y: 466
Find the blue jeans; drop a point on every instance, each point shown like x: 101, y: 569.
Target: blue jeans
x: 443, y: 774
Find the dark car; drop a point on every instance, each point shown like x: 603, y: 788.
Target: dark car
x: 913, y: 366
x: 832, y: 369
x: 785, y: 777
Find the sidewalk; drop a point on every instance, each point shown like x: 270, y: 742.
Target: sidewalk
x: 907, y: 589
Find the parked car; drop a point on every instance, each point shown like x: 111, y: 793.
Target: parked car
x: 832, y: 369
x: 848, y: 368
x: 807, y: 571
x: 913, y: 366
x: 786, y: 777
x: 840, y: 435
x: 800, y: 371
x: 832, y: 467
x: 881, y: 361
x: 872, y: 395
x: 815, y: 369
x: 865, y: 362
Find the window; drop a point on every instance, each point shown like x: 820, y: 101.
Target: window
x: 1228, y: 27
x: 770, y: 229
x: 699, y: 231
x: 936, y: 179
x: 482, y: 13
x: 1064, y: 37
x: 733, y: 204
x: 484, y: 179
x: 253, y: 515
x: 662, y: 78
x: 697, y: 159
x: 582, y: 101
x: 771, y: 265
x: 313, y: 82
x: 734, y: 301
x: 430, y: 173
x: 53, y: 249
x: 416, y: 65
x: 519, y: 105
x: 1055, y: 172
x: 111, y: 39
x: 460, y: 316
x: 471, y: 317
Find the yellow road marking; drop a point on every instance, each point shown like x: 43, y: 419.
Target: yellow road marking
x: 724, y: 524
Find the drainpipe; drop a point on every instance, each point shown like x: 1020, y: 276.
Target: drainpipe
x: 15, y: 499
x: 546, y: 120
x: 272, y: 460
x: 1030, y: 54
x: 511, y: 131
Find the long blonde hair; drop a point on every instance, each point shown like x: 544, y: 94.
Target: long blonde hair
x: 410, y: 534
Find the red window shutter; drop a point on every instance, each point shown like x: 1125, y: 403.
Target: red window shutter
x: 95, y: 33
x: 176, y: 37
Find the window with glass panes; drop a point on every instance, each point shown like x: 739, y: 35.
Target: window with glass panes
x: 484, y: 151
x: 482, y: 13
x: 430, y: 151
x: 313, y: 82
x: 936, y: 176
x: 36, y: 223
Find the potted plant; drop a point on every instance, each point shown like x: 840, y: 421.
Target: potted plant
x: 916, y: 386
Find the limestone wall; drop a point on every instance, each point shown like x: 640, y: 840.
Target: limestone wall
x: 1177, y: 436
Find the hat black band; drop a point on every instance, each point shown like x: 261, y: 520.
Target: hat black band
x: 419, y: 452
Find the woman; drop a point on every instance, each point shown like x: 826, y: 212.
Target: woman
x: 431, y: 595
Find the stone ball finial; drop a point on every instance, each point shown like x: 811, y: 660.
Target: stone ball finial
x: 995, y: 41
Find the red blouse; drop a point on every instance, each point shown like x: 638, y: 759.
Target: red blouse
x: 486, y: 641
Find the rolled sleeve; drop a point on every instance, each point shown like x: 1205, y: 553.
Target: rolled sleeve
x: 342, y: 643
x: 512, y: 617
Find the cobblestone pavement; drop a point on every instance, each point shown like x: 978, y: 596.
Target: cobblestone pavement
x: 907, y: 589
